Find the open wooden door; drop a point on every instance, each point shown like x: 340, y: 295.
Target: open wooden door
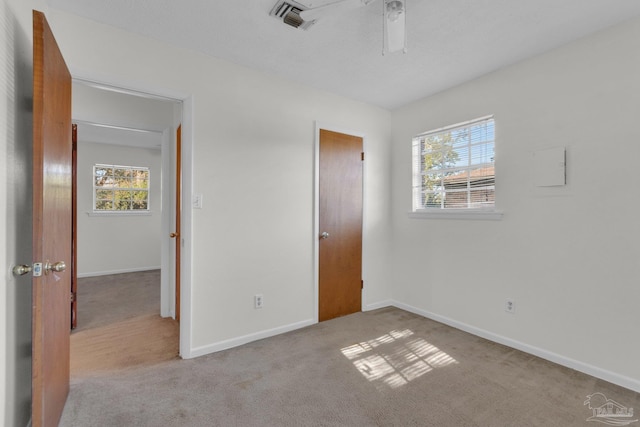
x: 178, y: 202
x: 340, y: 211
x: 74, y: 227
x: 52, y: 154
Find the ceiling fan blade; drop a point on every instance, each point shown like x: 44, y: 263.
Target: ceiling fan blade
x: 332, y: 8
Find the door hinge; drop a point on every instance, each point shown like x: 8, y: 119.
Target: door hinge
x: 362, y: 156
x: 73, y: 297
x: 361, y: 284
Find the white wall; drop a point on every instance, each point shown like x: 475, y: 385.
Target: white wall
x: 103, y: 106
x: 253, y: 147
x: 568, y: 255
x: 122, y: 243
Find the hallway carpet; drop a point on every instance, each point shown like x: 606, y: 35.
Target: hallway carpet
x: 112, y: 298
x: 119, y: 325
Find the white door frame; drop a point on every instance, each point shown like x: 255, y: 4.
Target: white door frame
x: 167, y: 272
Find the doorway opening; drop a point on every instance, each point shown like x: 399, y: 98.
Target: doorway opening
x: 126, y: 261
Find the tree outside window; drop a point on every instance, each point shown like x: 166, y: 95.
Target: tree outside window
x: 120, y: 188
x: 454, y: 167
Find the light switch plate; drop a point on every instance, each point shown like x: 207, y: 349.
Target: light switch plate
x: 197, y: 201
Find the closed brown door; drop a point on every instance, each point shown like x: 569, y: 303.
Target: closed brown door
x: 52, y: 154
x: 340, y: 212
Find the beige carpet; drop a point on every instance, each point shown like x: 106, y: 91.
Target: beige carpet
x: 119, y: 325
x: 381, y: 368
x: 108, y: 299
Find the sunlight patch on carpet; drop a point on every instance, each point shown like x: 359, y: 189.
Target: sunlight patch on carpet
x: 396, y: 358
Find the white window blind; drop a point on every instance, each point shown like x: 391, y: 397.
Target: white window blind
x: 120, y: 188
x: 453, y: 167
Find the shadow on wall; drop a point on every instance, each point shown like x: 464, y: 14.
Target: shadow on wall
x: 16, y: 78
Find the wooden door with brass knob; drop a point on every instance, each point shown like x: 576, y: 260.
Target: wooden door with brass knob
x: 340, y: 222
x: 52, y: 226
x: 176, y: 233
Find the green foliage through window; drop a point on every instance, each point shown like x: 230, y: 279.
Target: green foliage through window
x: 120, y: 188
x: 453, y: 167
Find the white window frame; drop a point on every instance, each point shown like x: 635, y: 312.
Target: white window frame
x: 420, y: 211
x: 107, y: 212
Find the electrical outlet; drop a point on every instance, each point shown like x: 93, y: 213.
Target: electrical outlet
x: 258, y: 301
x: 510, y: 305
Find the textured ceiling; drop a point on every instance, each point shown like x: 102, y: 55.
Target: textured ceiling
x: 449, y: 41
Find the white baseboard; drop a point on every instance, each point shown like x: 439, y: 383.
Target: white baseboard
x: 234, y: 342
x: 377, y: 305
x: 106, y: 273
x: 621, y: 380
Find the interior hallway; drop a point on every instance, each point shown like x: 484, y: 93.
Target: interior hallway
x: 119, y: 325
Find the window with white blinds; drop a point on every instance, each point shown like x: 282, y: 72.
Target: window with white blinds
x: 453, y: 167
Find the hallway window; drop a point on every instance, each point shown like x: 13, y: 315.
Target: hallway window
x: 454, y: 167
x: 120, y: 188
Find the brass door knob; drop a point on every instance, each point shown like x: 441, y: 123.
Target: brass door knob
x: 21, y: 270
x: 56, y: 266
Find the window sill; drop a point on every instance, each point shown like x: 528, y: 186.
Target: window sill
x: 119, y: 213
x: 468, y: 214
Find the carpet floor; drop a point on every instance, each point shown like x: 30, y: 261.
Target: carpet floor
x: 103, y: 300
x: 382, y: 368
x: 119, y: 325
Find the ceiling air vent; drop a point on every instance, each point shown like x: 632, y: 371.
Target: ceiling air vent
x: 289, y: 12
